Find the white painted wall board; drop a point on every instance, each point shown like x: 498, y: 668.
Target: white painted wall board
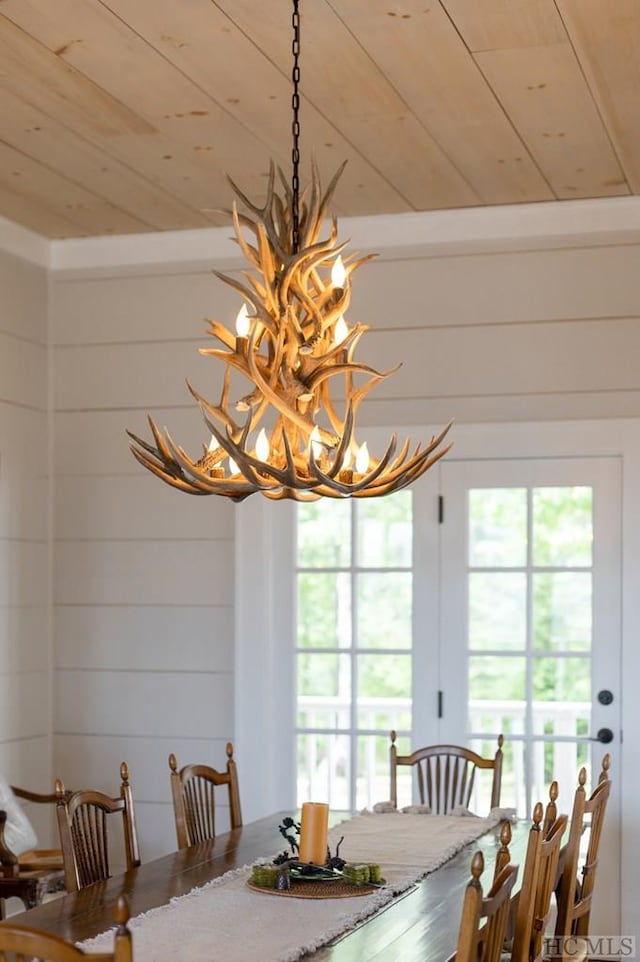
x: 23, y: 372
x: 24, y: 566
x: 23, y: 630
x: 496, y: 408
x: 94, y: 442
x: 170, y: 306
x: 497, y: 288
x: 94, y: 761
x: 159, y: 704
x: 24, y: 706
x: 132, y: 375
x: 167, y: 638
x: 23, y: 306
x: 143, y: 572
x: 131, y: 507
x: 532, y: 358
x: 24, y: 502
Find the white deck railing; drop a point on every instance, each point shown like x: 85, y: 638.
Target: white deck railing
x: 324, y: 758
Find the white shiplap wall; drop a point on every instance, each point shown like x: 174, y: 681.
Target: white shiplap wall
x: 25, y: 724
x: 143, y: 578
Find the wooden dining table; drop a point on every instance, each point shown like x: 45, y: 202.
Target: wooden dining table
x: 420, y: 924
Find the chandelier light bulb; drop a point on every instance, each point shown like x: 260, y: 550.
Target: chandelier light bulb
x: 262, y: 446
x: 242, y: 322
x: 233, y: 467
x: 213, y: 444
x: 362, y: 459
x: 338, y: 273
x: 341, y: 331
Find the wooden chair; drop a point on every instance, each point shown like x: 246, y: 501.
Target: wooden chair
x: 83, y: 826
x: 575, y: 890
x: 193, y: 794
x: 484, y: 920
x: 18, y: 943
x: 34, y: 874
x: 446, y: 774
x: 534, y: 901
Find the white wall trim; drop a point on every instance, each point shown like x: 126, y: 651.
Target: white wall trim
x: 579, y: 223
x: 22, y: 242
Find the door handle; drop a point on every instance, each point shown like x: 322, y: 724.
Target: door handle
x: 604, y: 735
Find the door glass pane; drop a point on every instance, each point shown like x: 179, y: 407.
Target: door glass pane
x: 324, y: 768
x: 562, y: 526
x: 497, y: 527
x: 497, y: 610
x: 497, y: 679
x: 373, y: 770
x: 321, y: 540
x: 384, y: 609
x: 385, y: 532
x: 324, y: 609
x: 562, y: 610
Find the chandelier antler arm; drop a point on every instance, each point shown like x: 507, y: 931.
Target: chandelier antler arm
x: 323, y: 372
x: 175, y: 480
x: 367, y: 479
x: 307, y: 258
x: 263, y: 214
x: 400, y: 467
x: 328, y: 194
x: 286, y: 406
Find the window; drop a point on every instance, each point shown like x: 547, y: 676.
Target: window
x: 354, y: 590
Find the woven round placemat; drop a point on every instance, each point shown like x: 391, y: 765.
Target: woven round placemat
x: 333, y: 889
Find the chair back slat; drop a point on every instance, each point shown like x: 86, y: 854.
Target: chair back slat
x: 445, y: 774
x: 193, y: 791
x: 84, y: 819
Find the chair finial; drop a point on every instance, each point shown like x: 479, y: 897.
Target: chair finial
x: 173, y: 764
x: 229, y: 750
x: 124, y: 773
x: 537, y: 815
x: 60, y: 790
x: 606, y: 764
x: 553, y: 791
x: 477, y: 866
x: 582, y: 777
x: 121, y: 912
x: 393, y: 736
x: 500, y: 742
x: 505, y: 833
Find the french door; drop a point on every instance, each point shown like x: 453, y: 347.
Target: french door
x: 531, y: 627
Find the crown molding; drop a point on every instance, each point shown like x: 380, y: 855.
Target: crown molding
x: 470, y: 230
x: 24, y: 243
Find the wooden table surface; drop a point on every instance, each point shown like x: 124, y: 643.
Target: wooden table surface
x: 419, y: 925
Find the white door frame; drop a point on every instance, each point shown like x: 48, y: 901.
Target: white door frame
x: 264, y: 683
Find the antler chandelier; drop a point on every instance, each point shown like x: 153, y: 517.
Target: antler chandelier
x: 294, y: 346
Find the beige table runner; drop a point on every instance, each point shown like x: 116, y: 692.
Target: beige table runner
x: 226, y: 920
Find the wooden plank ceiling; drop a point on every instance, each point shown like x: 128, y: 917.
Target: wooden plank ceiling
x: 120, y: 116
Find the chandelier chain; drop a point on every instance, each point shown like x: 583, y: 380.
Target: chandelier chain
x: 295, y: 130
